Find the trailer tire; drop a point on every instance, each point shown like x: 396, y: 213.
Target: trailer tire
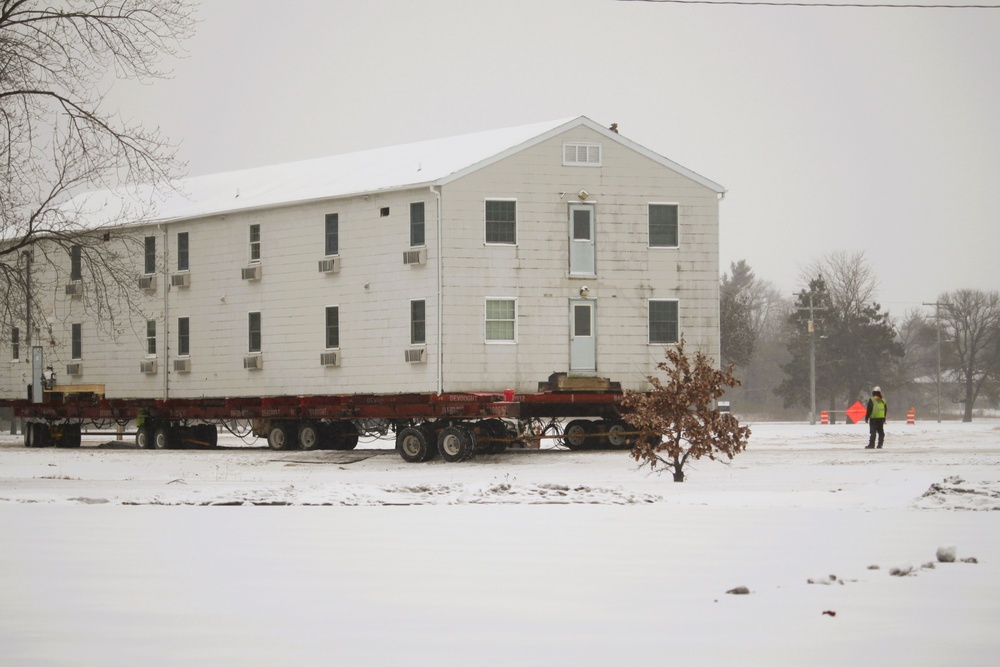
x: 309, y: 436
x: 144, y: 437
x: 164, y: 438
x: 280, y: 436
x: 29, y: 434
x: 415, y: 444
x: 345, y: 435
x: 496, y: 431
x: 579, y: 434
x: 70, y: 437
x: 616, y: 434
x: 456, y: 444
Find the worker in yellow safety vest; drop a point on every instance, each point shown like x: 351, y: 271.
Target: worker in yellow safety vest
x: 875, y: 416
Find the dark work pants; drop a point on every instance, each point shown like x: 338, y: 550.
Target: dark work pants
x: 876, y: 427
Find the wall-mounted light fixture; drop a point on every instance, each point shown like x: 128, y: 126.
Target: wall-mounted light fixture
x: 583, y: 194
x: 584, y: 291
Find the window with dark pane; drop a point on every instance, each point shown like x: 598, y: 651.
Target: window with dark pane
x: 418, y: 322
x: 332, y: 234
x: 182, y: 252
x: 663, y: 225
x: 501, y: 221
x: 417, y: 223
x: 663, y: 325
x: 150, y: 255
x: 253, y: 328
x: 76, y: 263
x: 183, y: 336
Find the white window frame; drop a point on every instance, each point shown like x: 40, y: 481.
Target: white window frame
x: 516, y: 208
x: 260, y: 332
x: 649, y: 240
x: 486, y: 321
x: 589, y: 148
x: 187, y: 251
x: 186, y: 353
x: 326, y: 221
x: 151, y: 338
x: 649, y: 315
x: 423, y: 225
x: 251, y: 243
x: 412, y: 322
x: 15, y: 344
x: 149, y: 244
x: 76, y: 340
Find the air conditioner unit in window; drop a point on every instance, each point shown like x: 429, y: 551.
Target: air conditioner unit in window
x: 329, y: 265
x: 329, y: 359
x: 74, y: 288
x: 417, y: 256
x: 180, y: 280
x: 74, y: 369
x: 147, y: 283
x: 416, y: 355
x: 253, y: 362
x: 148, y: 367
x: 182, y: 365
x: 251, y: 272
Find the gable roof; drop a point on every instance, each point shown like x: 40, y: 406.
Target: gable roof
x: 424, y: 163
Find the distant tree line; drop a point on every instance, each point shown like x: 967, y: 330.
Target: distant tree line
x: 768, y: 337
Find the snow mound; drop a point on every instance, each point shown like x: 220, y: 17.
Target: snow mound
x: 955, y: 493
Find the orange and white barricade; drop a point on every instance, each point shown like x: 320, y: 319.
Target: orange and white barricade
x: 824, y: 417
x: 911, y: 416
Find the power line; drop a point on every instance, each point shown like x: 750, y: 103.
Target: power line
x: 854, y: 5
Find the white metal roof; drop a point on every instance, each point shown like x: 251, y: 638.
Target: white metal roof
x: 431, y: 162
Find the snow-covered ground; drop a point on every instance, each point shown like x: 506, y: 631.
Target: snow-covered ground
x: 116, y: 556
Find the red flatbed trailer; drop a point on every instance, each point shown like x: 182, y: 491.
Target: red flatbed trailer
x: 454, y: 425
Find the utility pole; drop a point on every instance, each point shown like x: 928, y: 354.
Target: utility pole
x: 937, y: 316
x: 812, y: 354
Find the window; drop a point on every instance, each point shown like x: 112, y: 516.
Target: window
x: 183, y: 264
x: 418, y: 322
x: 501, y: 320
x: 501, y: 221
x: 253, y: 328
x: 332, y: 234
x: 15, y: 344
x: 76, y: 336
x: 150, y: 255
x: 383, y: 212
x: 76, y: 263
x: 586, y: 155
x: 663, y: 225
x: 151, y: 338
x: 183, y: 336
x: 332, y: 327
x: 254, y: 243
x: 663, y: 322
x: 417, y: 223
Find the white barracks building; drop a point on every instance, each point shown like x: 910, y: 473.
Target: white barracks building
x: 476, y: 263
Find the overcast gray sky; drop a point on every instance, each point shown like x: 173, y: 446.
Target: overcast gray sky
x: 831, y: 128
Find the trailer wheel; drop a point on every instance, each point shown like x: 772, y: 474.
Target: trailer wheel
x: 280, y: 436
x: 70, y: 436
x: 144, y: 437
x: 496, y: 431
x: 309, y: 436
x: 164, y: 438
x: 578, y: 434
x: 414, y: 444
x: 29, y: 434
x: 347, y: 435
x: 616, y: 434
x: 456, y: 443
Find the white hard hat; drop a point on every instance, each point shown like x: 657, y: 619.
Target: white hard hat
x: 878, y: 389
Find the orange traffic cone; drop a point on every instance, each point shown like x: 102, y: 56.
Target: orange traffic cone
x: 824, y: 417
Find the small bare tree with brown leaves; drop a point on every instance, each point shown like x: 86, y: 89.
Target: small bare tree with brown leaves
x: 678, y: 420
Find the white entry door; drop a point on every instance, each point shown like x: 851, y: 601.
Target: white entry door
x: 582, y: 337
